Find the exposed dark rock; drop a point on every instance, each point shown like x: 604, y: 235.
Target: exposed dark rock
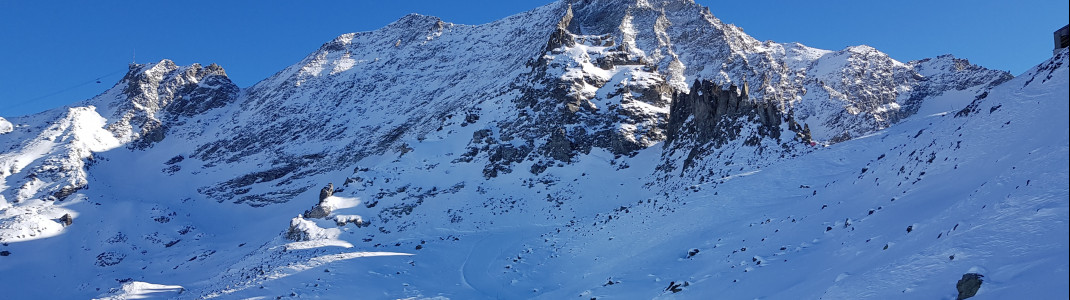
x: 327, y: 191
x: 277, y: 196
x: 321, y: 210
x: 559, y: 147
x: 558, y: 118
x: 65, y: 192
x: 153, y: 131
x: 711, y: 115
x: 842, y: 137
x: 677, y: 287
x: 561, y: 37
x: 163, y: 94
x: 214, y: 90
x: 175, y: 160
x: 968, y: 285
x: 295, y: 233
x: 692, y: 252
x: 109, y: 258
x: 66, y: 219
x: 318, y: 211
x: 262, y: 176
x: 285, y: 171
x: 171, y: 243
x: 470, y: 119
x: 117, y: 238
x: 972, y: 107
x: 502, y: 156
x: 802, y: 132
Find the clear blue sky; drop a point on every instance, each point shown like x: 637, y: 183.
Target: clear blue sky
x: 54, y: 51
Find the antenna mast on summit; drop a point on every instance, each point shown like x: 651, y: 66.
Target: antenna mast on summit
x: 133, y: 58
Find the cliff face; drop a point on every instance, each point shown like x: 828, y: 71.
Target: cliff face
x: 714, y: 115
x: 708, y: 117
x: 587, y: 92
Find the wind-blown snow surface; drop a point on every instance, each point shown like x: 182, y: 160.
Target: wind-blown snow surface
x: 182, y: 186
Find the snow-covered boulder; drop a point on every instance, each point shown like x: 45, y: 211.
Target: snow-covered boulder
x: 5, y: 126
x: 342, y: 220
x: 302, y: 229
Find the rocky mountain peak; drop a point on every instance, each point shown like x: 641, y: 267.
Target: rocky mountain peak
x: 153, y: 94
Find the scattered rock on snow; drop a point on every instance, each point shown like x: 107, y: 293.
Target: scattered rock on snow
x: 66, y: 219
x: 968, y: 285
x: 109, y: 258
x: 677, y: 287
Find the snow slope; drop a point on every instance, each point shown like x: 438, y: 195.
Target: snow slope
x: 527, y: 158
x: 829, y: 224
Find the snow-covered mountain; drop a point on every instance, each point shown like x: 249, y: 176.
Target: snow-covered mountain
x: 592, y: 149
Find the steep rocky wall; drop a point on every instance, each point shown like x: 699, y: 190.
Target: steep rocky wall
x: 713, y: 112
x: 583, y: 92
x: 709, y: 116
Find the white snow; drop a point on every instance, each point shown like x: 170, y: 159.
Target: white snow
x: 336, y: 202
x: 142, y: 290
x: 5, y: 126
x: 342, y: 219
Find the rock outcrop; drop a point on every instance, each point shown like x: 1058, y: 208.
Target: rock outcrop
x: 327, y: 191
x: 154, y: 97
x: 709, y: 113
x: 968, y: 285
x: 585, y: 91
x: 298, y: 230
x: 321, y: 209
x: 66, y: 220
x: 709, y: 116
x: 317, y: 212
x: 6, y: 126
